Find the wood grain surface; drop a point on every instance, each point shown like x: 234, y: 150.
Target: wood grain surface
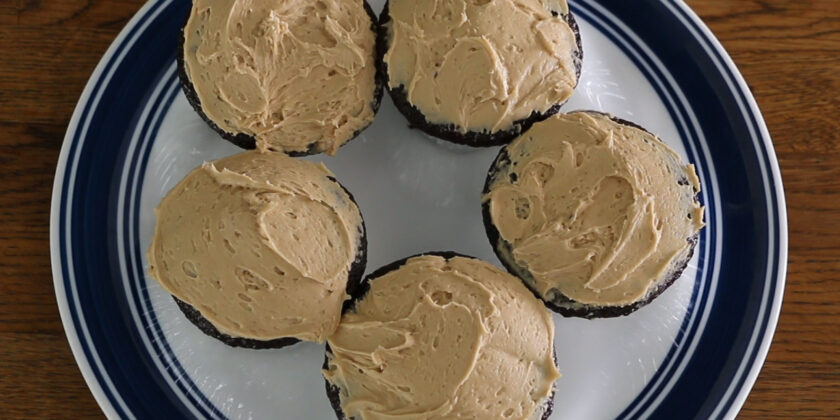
x: 788, y: 51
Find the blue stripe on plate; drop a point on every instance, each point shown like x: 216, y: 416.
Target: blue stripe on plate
x: 745, y: 203
x: 181, y: 377
x: 136, y: 273
x: 145, y: 392
x: 70, y: 281
x: 774, y: 199
x: 632, y: 51
x: 101, y: 152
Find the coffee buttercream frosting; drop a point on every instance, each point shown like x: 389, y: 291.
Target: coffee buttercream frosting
x: 295, y: 75
x: 439, y: 338
x: 481, y: 65
x: 260, y: 244
x: 599, y: 211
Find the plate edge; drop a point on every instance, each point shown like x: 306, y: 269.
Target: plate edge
x: 70, y: 332
x: 751, y: 104
x: 775, y: 172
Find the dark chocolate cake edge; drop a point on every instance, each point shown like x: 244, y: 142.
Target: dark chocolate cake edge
x: 450, y: 132
x: 333, y: 391
x: 248, y: 142
x: 353, y: 288
x: 561, y: 304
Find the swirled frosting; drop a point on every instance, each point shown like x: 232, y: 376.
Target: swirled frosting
x: 593, y: 209
x: 481, y: 65
x: 290, y: 73
x: 260, y: 244
x: 444, y: 338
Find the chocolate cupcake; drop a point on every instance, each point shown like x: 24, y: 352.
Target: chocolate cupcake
x: 595, y: 214
x: 442, y: 335
x: 259, y: 250
x: 297, y: 77
x: 479, y: 73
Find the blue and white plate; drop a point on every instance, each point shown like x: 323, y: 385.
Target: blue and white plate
x: 693, y: 353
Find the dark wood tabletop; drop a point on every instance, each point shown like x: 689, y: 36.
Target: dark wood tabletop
x: 788, y: 51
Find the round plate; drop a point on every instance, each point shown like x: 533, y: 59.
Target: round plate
x: 694, y: 352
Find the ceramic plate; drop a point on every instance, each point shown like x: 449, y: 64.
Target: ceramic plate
x: 693, y: 352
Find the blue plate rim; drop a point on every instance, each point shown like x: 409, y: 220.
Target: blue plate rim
x: 73, y: 336
x: 781, y: 207
x: 703, y: 33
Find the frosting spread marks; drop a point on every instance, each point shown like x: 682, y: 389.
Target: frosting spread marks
x: 481, y: 65
x: 290, y: 73
x: 260, y: 244
x: 593, y: 209
x: 438, y: 338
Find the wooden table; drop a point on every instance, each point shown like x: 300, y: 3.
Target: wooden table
x: 789, y: 52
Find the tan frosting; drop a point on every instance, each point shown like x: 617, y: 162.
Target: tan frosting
x: 598, y: 211
x: 441, y: 339
x: 260, y: 244
x: 288, y: 72
x: 481, y: 65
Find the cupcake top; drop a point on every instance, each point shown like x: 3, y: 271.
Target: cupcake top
x: 260, y: 244
x: 296, y: 75
x: 438, y: 338
x: 597, y: 210
x: 482, y: 65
